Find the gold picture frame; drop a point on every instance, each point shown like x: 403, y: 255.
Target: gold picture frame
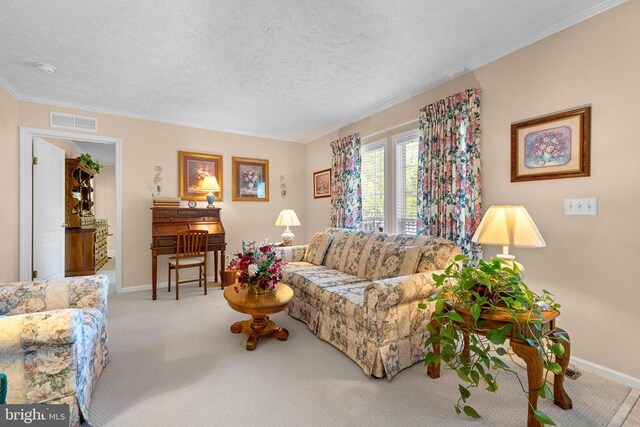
x: 192, y: 168
x: 249, y: 180
x: 322, y: 184
x: 552, y: 147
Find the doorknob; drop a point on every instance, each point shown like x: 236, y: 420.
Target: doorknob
x: 64, y: 225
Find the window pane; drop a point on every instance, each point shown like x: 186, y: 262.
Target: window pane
x: 407, y: 184
x: 372, y: 176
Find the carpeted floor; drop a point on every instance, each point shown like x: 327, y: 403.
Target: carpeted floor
x: 175, y: 363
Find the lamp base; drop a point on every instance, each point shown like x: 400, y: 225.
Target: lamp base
x: 210, y: 200
x: 510, y: 260
x: 287, y: 238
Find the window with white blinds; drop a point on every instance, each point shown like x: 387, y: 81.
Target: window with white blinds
x: 373, y: 184
x: 406, y: 185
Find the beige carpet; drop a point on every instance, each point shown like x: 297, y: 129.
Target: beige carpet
x: 175, y: 363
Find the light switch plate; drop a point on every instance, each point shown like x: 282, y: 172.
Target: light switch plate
x: 581, y: 206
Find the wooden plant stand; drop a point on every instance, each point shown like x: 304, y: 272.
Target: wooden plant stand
x: 533, y: 360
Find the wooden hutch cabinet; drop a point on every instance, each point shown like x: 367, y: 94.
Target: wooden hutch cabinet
x: 85, y: 240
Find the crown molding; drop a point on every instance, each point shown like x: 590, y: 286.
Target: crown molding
x: 481, y: 60
x: 148, y: 117
x: 449, y: 75
x: 9, y: 87
x: 113, y: 112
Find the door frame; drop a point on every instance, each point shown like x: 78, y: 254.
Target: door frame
x: 26, y: 194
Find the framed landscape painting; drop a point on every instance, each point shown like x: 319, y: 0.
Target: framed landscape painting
x: 322, y: 184
x: 552, y: 147
x: 250, y: 180
x: 192, y: 168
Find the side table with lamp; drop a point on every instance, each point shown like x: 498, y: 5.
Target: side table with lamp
x: 513, y: 226
x: 287, y: 218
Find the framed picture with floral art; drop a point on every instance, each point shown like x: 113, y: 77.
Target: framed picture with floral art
x: 192, y: 168
x: 250, y: 180
x: 552, y: 147
x: 322, y: 184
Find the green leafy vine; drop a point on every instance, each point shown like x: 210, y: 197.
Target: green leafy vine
x: 475, y: 290
x: 93, y: 164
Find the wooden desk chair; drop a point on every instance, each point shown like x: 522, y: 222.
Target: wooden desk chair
x: 191, y: 251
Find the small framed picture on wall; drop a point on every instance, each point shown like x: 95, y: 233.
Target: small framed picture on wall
x: 192, y: 169
x: 322, y: 184
x: 250, y: 180
x: 552, y: 147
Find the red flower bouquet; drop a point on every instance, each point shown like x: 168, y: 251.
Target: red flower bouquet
x: 259, y: 269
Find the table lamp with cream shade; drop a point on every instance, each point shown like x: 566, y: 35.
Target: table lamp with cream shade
x: 287, y: 218
x: 508, y: 226
x: 210, y: 184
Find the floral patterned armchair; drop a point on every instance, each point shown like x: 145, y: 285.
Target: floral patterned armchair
x: 53, y: 341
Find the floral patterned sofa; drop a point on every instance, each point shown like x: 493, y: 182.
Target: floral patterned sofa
x: 53, y: 341
x: 360, y: 291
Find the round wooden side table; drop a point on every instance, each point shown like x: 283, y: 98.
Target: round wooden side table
x: 259, y: 307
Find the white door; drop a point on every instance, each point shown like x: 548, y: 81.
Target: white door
x: 48, y: 210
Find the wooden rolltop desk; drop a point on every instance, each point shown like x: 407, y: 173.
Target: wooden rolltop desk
x: 166, y: 222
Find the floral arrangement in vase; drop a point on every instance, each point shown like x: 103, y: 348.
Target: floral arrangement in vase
x: 251, y: 177
x: 259, y: 268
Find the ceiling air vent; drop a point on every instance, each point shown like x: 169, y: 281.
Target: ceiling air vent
x: 69, y: 121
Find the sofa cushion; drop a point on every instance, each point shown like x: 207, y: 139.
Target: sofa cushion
x: 352, y: 253
x: 370, y: 255
x: 336, y: 290
x: 396, y: 260
x: 436, y: 254
x: 407, y: 239
x: 317, y: 248
x: 338, y: 243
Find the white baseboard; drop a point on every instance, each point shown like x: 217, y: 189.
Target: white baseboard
x: 605, y: 372
x: 127, y: 289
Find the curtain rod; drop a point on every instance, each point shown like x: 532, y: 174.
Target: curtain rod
x: 391, y: 128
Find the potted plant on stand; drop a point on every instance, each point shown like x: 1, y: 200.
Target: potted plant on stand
x: 477, y: 308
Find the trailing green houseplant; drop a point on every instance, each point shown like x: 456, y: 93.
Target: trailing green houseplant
x: 93, y: 164
x: 476, y: 289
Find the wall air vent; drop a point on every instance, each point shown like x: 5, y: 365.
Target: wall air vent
x: 69, y: 121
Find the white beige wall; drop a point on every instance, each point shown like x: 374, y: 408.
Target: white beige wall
x: 8, y: 183
x: 589, y: 261
x: 104, y: 197
x: 144, y: 145
x: 70, y: 151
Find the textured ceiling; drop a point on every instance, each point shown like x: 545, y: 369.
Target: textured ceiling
x: 287, y: 69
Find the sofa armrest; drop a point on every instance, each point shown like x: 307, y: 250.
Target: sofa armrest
x: 89, y: 292
x: 55, y: 294
x: 397, y: 290
x: 292, y: 253
x: 34, y: 331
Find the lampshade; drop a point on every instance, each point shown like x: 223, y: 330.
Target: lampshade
x: 287, y: 217
x: 508, y: 226
x: 210, y: 183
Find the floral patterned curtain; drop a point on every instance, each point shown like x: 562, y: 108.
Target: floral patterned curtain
x: 449, y: 169
x: 346, y: 191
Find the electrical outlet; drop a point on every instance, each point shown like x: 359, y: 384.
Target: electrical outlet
x: 581, y: 206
